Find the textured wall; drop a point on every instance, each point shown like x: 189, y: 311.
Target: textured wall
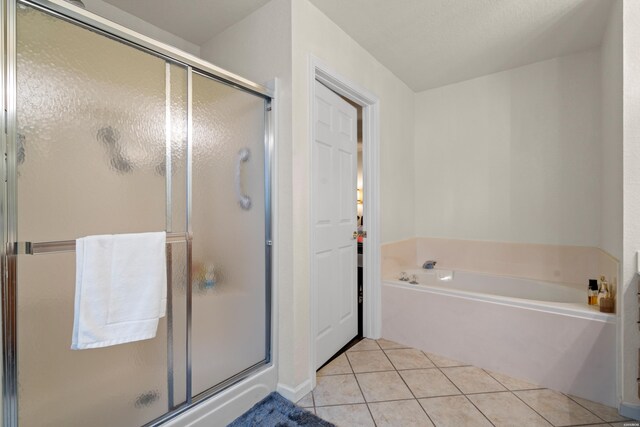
x: 512, y: 156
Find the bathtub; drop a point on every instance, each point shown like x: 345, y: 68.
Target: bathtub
x: 541, y: 332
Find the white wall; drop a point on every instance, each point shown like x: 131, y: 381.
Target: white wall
x: 513, y: 156
x: 259, y: 48
x: 630, y: 339
x: 130, y: 21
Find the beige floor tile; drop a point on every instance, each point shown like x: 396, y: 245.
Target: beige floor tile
x: 408, y: 358
x: 346, y: 415
x: 387, y: 345
x: 365, y: 344
x: 369, y: 361
x: 625, y: 424
x: 339, y: 365
x: 405, y: 413
x: 470, y: 379
x: 557, y: 408
x: 453, y: 411
x: 306, y: 401
x: 443, y: 362
x: 428, y: 383
x: 512, y: 383
x: 607, y: 413
x: 379, y: 386
x: 506, y: 410
x: 337, y: 390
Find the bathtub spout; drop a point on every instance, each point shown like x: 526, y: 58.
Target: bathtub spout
x: 429, y: 265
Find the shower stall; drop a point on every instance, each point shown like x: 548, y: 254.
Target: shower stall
x: 109, y: 132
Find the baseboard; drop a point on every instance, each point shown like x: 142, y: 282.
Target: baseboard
x: 294, y: 394
x: 630, y: 411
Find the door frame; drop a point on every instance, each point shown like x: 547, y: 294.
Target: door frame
x: 320, y: 71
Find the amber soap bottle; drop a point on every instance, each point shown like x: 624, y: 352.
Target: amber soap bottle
x: 593, y: 292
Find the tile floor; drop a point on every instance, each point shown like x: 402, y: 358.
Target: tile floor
x: 382, y: 383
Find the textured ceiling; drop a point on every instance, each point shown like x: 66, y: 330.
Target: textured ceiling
x: 432, y: 43
x: 196, y: 21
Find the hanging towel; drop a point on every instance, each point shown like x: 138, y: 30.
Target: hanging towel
x: 121, y: 289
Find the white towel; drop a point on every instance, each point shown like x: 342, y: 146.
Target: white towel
x: 121, y: 288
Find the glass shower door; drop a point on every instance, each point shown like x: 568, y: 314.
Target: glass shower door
x: 230, y: 316
x: 113, y: 138
x: 92, y: 152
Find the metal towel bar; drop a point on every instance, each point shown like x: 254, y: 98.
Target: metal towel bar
x: 30, y: 248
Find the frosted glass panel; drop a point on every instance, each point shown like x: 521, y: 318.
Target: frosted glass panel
x: 228, y: 309
x: 112, y: 386
x: 92, y: 160
x: 91, y: 124
x: 179, y: 321
x: 178, y: 130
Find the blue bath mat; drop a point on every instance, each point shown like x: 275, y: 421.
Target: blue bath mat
x: 276, y: 411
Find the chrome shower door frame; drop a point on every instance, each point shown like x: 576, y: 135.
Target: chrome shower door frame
x: 9, y: 250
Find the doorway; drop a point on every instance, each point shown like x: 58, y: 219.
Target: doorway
x: 334, y: 222
x: 363, y: 202
x: 360, y: 221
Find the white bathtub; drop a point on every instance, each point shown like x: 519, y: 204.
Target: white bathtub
x: 538, y: 331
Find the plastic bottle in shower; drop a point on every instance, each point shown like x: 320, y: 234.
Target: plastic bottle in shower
x: 593, y: 292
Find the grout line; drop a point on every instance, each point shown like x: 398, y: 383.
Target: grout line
x: 417, y: 369
x: 487, y: 392
x: 436, y: 365
x: 592, y: 424
x: 532, y: 408
x: 389, y: 360
x: 371, y: 372
x: 362, y: 393
x: 407, y: 369
x: 465, y: 396
x: 341, y: 404
x: 414, y: 396
x: 517, y: 397
x: 479, y: 410
x: 578, y: 403
x: 449, y: 379
x: 440, y: 395
x: 515, y: 389
x: 363, y: 403
x: 375, y: 372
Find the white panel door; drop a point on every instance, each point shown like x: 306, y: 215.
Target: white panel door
x: 334, y: 221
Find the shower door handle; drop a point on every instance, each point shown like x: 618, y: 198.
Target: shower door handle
x: 243, y: 200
